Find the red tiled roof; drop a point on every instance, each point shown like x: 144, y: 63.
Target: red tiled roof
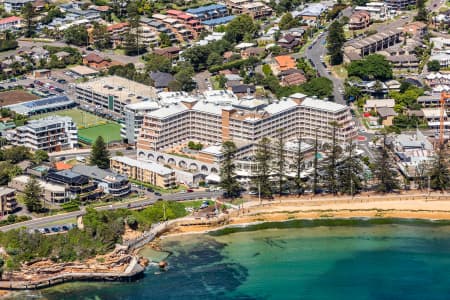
x: 185, y: 16
x: 10, y: 20
x: 62, y: 166
x: 92, y: 57
x: 117, y: 26
x: 175, y: 12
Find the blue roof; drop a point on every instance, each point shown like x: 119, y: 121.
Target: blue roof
x: 218, y: 21
x: 45, y: 101
x: 203, y: 9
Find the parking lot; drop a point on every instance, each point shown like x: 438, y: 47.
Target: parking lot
x: 55, y: 229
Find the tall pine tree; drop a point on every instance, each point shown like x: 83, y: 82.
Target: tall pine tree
x: 263, y: 159
x: 280, y: 160
x: 100, y: 154
x: 32, y: 195
x: 299, y: 161
x: 315, y: 185
x: 333, y: 153
x: 350, y: 173
x: 384, y: 171
x: 335, y: 42
x: 227, y: 170
x: 439, y: 174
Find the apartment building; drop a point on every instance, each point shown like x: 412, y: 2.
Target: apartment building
x: 15, y: 5
x: 400, y: 4
x: 10, y: 23
x: 76, y: 185
x: 371, y: 44
x: 53, y: 133
x: 7, y: 201
x: 148, y: 172
x: 255, y: 9
x: 377, y: 10
x: 359, y: 20
x: 113, y: 93
x: 208, y: 12
x: 51, y: 192
x: 243, y: 120
x: 134, y: 117
x: 114, y: 184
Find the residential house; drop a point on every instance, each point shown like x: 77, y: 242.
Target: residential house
x: 374, y: 104
x: 11, y: 6
x: 77, y: 186
x: 295, y: 78
x: 161, y: 80
x: 400, y: 4
x: 169, y: 52
x: 50, y: 192
x: 95, y: 61
x: 417, y: 28
x: 387, y: 115
x: 242, y: 90
x: 371, y: 44
x: 288, y: 42
x: 253, y: 52
x: 283, y: 63
x: 312, y: 12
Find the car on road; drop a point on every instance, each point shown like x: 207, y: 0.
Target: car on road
x: 190, y: 190
x: 253, y: 193
x: 150, y: 190
x: 62, y: 81
x: 158, y: 194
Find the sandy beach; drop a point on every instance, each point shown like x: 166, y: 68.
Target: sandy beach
x: 414, y: 207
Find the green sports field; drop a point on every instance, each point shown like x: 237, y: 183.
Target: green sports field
x: 110, y: 133
x: 80, y: 117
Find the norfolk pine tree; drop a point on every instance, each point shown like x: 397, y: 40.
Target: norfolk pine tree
x: 334, y: 151
x: 299, y: 161
x: 263, y: 158
x: 280, y: 160
x: 315, y: 166
x: 384, y: 173
x: 99, y: 154
x: 32, y: 195
x: 439, y: 173
x: 227, y: 170
x: 349, y: 174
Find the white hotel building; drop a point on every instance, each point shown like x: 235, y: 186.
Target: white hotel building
x: 51, y: 134
x: 244, y: 121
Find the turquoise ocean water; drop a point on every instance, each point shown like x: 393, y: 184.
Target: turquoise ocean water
x: 357, y: 261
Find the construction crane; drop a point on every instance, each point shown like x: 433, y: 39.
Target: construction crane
x: 442, y: 102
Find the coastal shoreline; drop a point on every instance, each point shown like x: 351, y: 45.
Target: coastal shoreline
x: 256, y: 214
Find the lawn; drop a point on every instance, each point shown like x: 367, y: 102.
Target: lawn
x: 110, y: 133
x: 80, y: 117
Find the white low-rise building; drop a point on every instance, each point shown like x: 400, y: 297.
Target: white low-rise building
x: 54, y: 133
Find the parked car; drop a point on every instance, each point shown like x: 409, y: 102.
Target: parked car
x: 158, y: 194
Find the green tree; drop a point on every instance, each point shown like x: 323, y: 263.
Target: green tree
x: 214, y: 58
x: 184, y: 77
x: 433, y: 66
x: 287, y: 21
x: 164, y: 40
x: 40, y: 156
x: 263, y: 158
x: 100, y: 154
x: 227, y: 170
x: 155, y: 62
x: 8, y: 171
x: 239, y: 27
x: 76, y: 35
x: 333, y: 154
x: 372, y: 67
x: 280, y: 160
x: 439, y: 173
x: 299, y: 166
x: 32, y: 195
x: 422, y: 14
x: 101, y: 36
x: 315, y: 183
x: 384, y: 172
x: 335, y: 42
x: 29, y: 13
x: 320, y: 87
x: 350, y: 172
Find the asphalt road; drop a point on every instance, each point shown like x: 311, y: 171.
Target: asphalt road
x: 41, y: 222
